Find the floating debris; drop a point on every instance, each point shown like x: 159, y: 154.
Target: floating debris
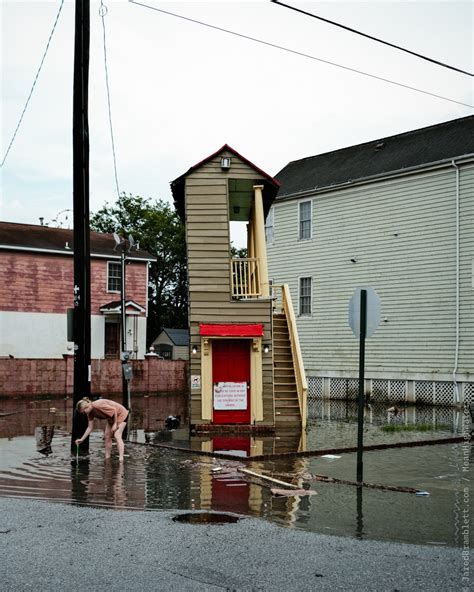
x: 292, y: 492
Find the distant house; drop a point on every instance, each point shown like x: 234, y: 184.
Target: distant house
x: 172, y: 344
x: 395, y: 214
x: 37, y: 288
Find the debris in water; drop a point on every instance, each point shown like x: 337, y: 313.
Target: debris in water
x: 292, y: 492
x: 330, y: 456
x: 422, y: 493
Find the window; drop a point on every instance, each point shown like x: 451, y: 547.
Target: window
x: 114, y: 276
x: 305, y: 220
x: 269, y: 227
x: 305, y: 296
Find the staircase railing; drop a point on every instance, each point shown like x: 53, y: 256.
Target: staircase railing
x: 245, y: 278
x: 283, y: 298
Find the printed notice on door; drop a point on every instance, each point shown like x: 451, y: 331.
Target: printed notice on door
x: 230, y: 395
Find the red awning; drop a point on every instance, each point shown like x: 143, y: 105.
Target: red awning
x: 231, y: 330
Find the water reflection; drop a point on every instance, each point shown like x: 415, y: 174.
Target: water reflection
x: 159, y: 478
x: 44, y: 437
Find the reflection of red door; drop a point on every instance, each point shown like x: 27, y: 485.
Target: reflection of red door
x: 231, y: 363
x: 230, y: 494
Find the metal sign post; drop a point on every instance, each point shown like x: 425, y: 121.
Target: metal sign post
x: 364, y: 318
x: 360, y: 410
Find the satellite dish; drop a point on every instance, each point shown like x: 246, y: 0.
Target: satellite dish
x: 116, y: 239
x: 131, y: 241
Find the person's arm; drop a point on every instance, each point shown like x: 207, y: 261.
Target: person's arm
x: 115, y: 425
x: 90, y: 427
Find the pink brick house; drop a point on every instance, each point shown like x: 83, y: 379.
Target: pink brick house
x: 36, y: 289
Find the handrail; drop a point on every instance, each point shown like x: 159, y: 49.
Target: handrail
x: 301, y: 382
x: 245, y: 278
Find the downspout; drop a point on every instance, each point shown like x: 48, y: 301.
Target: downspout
x: 456, y: 347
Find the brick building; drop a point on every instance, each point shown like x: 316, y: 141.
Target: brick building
x: 36, y: 289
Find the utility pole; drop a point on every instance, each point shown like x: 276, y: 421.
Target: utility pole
x: 125, y: 247
x: 82, y: 289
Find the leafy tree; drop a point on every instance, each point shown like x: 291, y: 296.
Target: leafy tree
x: 159, y: 231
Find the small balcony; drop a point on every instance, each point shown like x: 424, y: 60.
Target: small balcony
x: 245, y: 278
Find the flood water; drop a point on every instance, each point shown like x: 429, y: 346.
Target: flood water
x: 155, y: 478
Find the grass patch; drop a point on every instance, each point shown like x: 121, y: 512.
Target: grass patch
x: 422, y: 427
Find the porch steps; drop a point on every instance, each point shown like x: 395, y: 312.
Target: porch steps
x: 287, y: 408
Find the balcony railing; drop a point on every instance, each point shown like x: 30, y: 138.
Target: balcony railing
x: 245, y: 278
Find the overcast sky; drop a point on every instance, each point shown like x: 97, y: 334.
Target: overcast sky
x: 179, y: 91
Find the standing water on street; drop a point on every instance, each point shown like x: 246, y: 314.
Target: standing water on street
x: 164, y: 469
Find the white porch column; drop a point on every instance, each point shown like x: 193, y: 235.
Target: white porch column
x: 260, y: 245
x: 250, y: 240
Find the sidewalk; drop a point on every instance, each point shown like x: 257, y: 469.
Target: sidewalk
x: 49, y: 547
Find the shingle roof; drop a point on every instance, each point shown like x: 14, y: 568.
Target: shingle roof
x: 34, y: 237
x: 424, y: 146
x: 179, y: 337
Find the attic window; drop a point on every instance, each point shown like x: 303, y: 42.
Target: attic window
x: 225, y: 163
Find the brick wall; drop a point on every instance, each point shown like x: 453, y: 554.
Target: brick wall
x: 32, y: 282
x: 20, y: 377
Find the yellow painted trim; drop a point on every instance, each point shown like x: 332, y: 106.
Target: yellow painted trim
x: 256, y: 380
x: 259, y: 237
x: 206, y: 378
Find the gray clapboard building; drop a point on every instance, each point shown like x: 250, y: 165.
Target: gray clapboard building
x: 395, y: 214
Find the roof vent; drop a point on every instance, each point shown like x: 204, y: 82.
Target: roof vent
x: 379, y: 145
x: 66, y: 246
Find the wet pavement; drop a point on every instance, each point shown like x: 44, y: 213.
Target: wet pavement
x: 155, y: 478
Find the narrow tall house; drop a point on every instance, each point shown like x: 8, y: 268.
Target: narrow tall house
x: 245, y: 363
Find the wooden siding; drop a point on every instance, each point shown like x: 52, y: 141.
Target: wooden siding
x: 402, y: 232
x: 208, y: 251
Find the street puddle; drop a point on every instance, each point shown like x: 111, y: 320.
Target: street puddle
x: 206, y: 518
x: 36, y: 463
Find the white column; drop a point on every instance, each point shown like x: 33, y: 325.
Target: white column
x: 260, y: 245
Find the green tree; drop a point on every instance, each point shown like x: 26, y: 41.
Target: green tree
x: 159, y: 231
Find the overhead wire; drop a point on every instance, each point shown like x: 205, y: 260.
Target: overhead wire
x: 102, y: 13
x: 350, y: 29
x: 300, y: 53
x: 33, y: 85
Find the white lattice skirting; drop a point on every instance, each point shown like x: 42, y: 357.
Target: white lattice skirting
x: 398, y: 391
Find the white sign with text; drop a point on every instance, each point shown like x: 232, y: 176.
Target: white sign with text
x: 230, y: 396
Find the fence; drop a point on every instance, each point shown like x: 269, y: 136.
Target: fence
x: 418, y: 392
x: 36, y: 377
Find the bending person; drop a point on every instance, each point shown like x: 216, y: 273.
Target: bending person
x: 116, y: 416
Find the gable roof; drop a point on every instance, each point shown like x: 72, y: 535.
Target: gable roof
x: 424, y: 146
x: 115, y: 307
x: 270, y: 185
x: 32, y: 237
x: 179, y: 337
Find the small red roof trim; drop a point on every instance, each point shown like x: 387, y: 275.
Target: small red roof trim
x: 231, y: 330
x: 235, y: 153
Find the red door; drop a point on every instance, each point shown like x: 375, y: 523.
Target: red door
x: 231, y: 380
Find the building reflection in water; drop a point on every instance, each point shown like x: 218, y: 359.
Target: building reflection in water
x: 44, y: 437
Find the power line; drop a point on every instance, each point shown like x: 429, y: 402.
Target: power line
x: 102, y: 14
x: 305, y: 55
x: 418, y: 55
x: 33, y: 86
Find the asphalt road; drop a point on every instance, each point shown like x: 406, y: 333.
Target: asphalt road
x: 57, y: 547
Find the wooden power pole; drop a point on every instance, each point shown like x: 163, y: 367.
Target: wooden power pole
x: 82, y: 289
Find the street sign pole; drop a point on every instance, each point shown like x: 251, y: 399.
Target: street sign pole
x: 360, y: 416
